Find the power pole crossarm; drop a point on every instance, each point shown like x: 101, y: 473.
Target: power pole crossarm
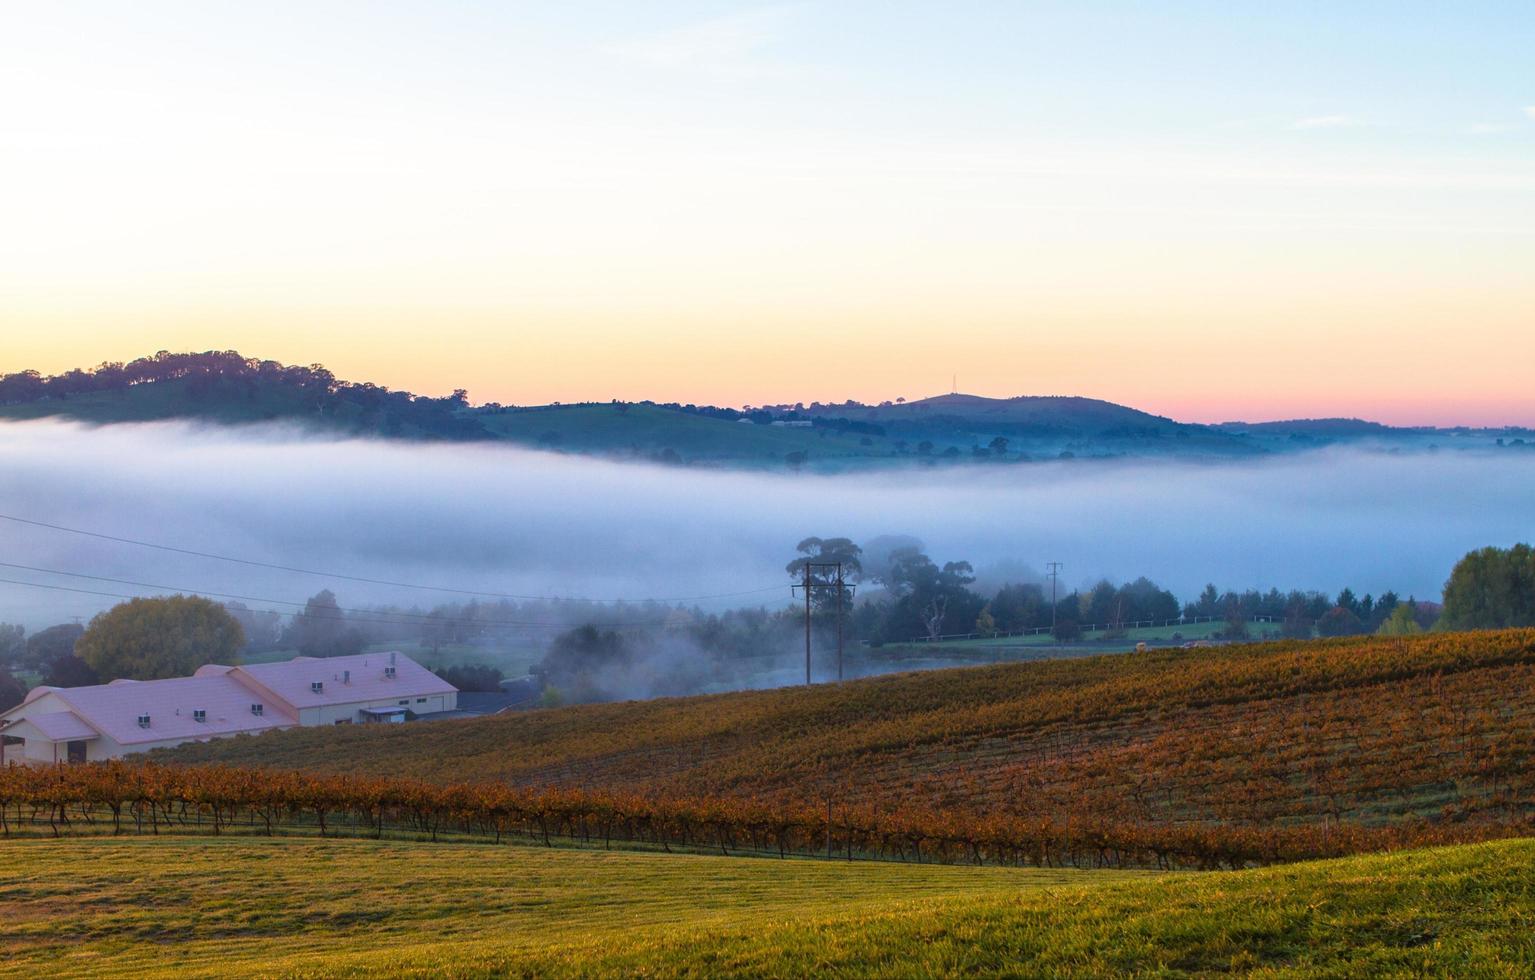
x: 1055, y: 574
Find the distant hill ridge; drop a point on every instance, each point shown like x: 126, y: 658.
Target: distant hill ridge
x: 226, y: 387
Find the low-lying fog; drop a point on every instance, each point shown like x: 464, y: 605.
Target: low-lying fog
x: 498, y: 519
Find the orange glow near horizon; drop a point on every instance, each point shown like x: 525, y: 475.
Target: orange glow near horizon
x: 1189, y: 213
x: 1190, y: 375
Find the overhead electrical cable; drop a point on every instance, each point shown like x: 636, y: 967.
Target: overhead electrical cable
x: 383, y: 617
x: 373, y: 581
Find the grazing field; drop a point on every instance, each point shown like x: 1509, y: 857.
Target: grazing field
x: 362, y: 908
x: 1432, y: 731
x: 646, y: 429
x: 1180, y: 633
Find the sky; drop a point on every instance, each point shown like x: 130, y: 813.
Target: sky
x: 1208, y: 210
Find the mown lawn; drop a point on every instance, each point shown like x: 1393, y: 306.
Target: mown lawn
x: 100, y: 907
x: 359, y: 908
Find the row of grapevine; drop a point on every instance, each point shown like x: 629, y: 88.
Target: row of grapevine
x: 121, y: 798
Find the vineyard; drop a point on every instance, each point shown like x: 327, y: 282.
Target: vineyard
x: 1244, y: 754
x: 116, y: 798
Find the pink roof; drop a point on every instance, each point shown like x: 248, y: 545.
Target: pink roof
x: 291, y: 679
x: 61, y: 726
x: 225, y: 695
x: 170, y: 703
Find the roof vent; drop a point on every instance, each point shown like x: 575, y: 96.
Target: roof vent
x: 317, y: 687
x: 143, y: 721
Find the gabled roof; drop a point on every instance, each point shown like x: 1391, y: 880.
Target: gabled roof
x: 345, y: 679
x: 60, y: 726
x: 115, y: 708
x: 225, y: 695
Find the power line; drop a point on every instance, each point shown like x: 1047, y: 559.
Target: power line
x: 371, y: 581
x: 244, y: 598
x: 352, y: 615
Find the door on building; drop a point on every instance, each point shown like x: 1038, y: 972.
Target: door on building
x: 76, y: 751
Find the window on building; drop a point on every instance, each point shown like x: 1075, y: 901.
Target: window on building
x: 405, y: 700
x: 198, y: 714
x: 258, y: 710
x: 76, y: 751
x: 421, y: 700
x: 317, y: 687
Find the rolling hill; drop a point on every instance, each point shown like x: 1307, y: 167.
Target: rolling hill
x: 309, y: 908
x: 225, y: 388
x: 954, y: 427
x: 1275, y: 748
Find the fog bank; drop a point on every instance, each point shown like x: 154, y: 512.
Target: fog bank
x: 506, y: 520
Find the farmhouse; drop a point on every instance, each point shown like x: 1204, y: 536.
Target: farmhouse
x: 105, y: 721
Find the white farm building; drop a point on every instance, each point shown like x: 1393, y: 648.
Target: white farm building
x: 105, y: 721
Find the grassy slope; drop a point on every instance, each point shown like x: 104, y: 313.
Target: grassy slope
x: 1262, y: 732
x: 358, y: 908
x: 582, y: 428
x: 1146, y: 634
x: 237, y: 905
x: 611, y: 428
x: 646, y: 429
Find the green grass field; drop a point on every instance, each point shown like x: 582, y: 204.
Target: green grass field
x: 1097, y: 639
x: 648, y: 429
x: 200, y: 907
x: 601, y: 429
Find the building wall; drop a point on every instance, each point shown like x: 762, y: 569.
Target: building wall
x: 351, y: 712
x: 40, y: 752
x: 34, y: 752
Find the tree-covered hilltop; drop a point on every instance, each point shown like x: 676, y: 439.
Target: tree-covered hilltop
x: 226, y: 387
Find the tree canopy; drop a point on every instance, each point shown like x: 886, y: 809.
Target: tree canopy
x: 321, y: 630
x: 11, y: 690
x: 147, y: 639
x: 1401, y: 622
x: 48, y: 645
x: 1491, y: 588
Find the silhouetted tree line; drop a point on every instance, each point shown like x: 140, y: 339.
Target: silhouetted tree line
x: 219, y: 376
x: 1302, y: 614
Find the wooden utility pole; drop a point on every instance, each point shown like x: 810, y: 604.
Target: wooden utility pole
x: 830, y: 576
x: 838, y: 621
x: 1055, y: 573
x: 807, y: 622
